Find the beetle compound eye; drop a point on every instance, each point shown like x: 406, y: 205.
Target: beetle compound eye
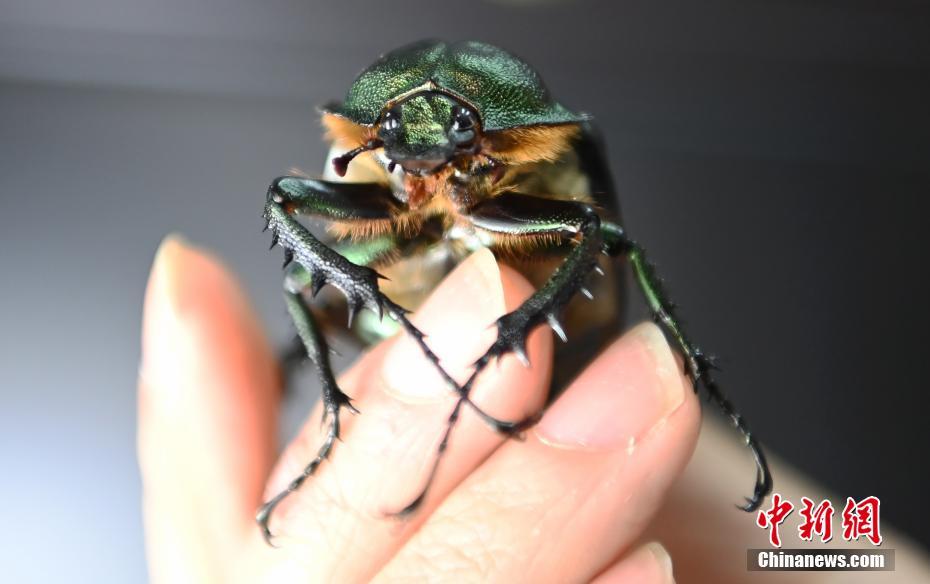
x: 391, y: 122
x: 463, y: 127
x: 463, y: 119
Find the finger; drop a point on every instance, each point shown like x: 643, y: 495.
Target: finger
x: 336, y: 524
x: 560, y: 506
x: 207, y: 405
x: 649, y: 564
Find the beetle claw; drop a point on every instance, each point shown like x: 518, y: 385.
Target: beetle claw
x: 520, y: 352
x: 351, y: 310
x: 317, y: 281
x: 556, y: 326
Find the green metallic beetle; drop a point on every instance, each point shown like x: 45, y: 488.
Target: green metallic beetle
x: 457, y: 147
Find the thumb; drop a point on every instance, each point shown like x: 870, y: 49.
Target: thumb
x: 207, y: 400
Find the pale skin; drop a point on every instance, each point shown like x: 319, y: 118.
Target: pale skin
x: 570, y: 503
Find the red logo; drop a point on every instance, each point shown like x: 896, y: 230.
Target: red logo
x: 819, y: 520
x: 773, y: 518
x: 859, y: 519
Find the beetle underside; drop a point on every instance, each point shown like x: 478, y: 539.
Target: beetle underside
x: 437, y: 172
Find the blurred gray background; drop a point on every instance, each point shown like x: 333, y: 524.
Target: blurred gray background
x: 773, y: 155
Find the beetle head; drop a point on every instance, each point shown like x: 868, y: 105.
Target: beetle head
x: 431, y: 103
x: 427, y: 130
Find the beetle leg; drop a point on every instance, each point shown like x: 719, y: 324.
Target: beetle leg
x: 297, y: 279
x: 312, y: 344
x: 698, y: 364
x: 290, y: 195
x: 346, y: 202
x: 518, y: 215
x: 521, y: 215
x: 322, y: 265
x: 333, y: 398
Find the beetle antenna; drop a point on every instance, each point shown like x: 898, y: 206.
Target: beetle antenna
x: 341, y: 163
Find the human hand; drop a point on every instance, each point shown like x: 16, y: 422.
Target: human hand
x: 567, y: 504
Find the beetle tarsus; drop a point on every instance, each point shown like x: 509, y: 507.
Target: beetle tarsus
x: 511, y: 429
x: 417, y: 501
x: 334, y: 399
x: 263, y: 516
x: 698, y: 365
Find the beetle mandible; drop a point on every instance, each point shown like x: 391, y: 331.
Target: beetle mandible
x: 456, y: 147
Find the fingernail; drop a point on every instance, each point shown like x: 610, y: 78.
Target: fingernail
x: 180, y: 273
x: 633, y: 386
x: 458, y: 319
x: 663, y: 559
x: 649, y: 563
x: 183, y: 280
x: 163, y: 307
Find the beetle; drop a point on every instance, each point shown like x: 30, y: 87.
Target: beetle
x: 440, y: 149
